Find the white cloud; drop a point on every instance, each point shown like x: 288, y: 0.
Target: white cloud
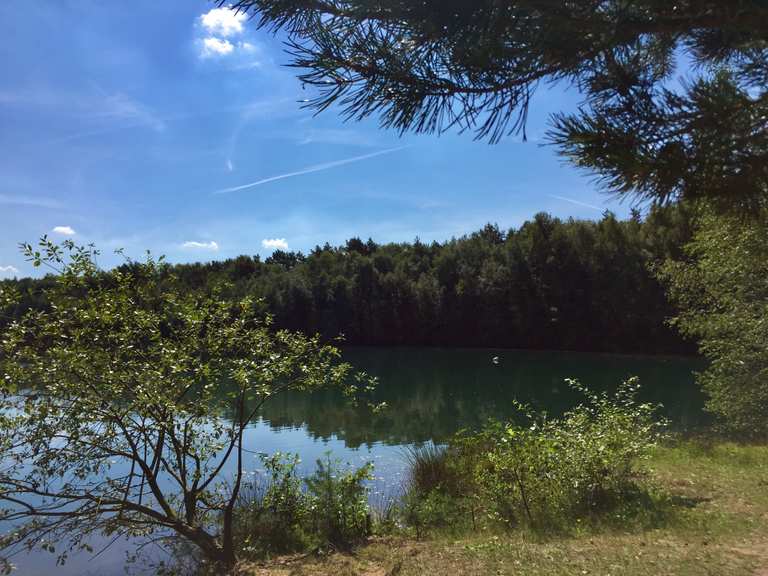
x: 230, y: 165
x: 216, y: 27
x: 242, y: 55
x: 64, y: 230
x: 223, y: 21
x: 192, y: 245
x: 275, y: 244
x: 212, y: 47
x: 10, y: 270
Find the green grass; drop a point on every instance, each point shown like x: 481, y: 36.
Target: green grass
x: 709, y: 516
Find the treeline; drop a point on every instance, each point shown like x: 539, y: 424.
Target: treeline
x: 550, y: 284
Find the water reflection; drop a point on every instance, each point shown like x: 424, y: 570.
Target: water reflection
x: 432, y: 393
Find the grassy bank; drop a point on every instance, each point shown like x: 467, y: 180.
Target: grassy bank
x: 711, y: 519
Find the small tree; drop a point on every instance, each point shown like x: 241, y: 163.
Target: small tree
x: 722, y: 293
x: 124, y: 402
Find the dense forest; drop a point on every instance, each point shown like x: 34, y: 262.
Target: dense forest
x: 549, y: 284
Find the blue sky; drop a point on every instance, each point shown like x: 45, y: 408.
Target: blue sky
x: 136, y: 125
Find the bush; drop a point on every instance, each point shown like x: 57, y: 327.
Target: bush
x: 284, y: 513
x: 544, y: 474
x: 338, y: 504
x: 584, y: 463
x: 386, y: 514
x: 271, y: 513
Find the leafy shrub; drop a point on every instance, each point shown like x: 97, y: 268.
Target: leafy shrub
x: 386, y: 513
x: 271, y: 514
x: 436, y: 510
x: 338, y: 503
x: 544, y: 473
x: 284, y: 513
x: 554, y: 470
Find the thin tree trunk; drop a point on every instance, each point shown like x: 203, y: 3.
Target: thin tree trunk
x: 524, y: 496
x: 228, y: 545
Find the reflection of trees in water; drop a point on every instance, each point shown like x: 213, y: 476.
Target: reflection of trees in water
x: 432, y: 393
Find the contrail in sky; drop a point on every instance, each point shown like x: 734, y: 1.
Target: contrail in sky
x: 577, y: 202
x: 311, y: 169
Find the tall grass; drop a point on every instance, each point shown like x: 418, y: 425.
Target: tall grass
x: 428, y: 468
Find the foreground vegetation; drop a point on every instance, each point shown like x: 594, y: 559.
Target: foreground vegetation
x: 524, y: 496
x: 115, y: 383
x: 712, y: 521
x: 601, y: 489
x: 114, y: 417
x: 544, y: 474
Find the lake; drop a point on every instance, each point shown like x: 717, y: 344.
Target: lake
x: 431, y: 394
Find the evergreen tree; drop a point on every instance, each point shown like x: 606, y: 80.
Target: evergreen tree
x: 437, y: 64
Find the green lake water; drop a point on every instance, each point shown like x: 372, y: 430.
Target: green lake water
x: 432, y: 393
